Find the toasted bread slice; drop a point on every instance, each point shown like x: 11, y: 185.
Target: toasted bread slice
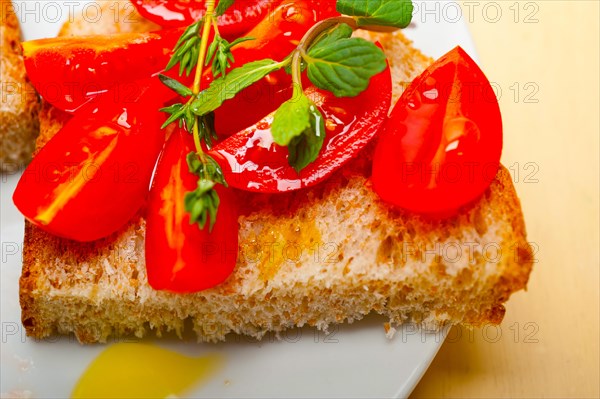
x: 19, y: 103
x: 328, y: 254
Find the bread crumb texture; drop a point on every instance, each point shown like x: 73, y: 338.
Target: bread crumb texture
x: 330, y: 254
x: 19, y: 103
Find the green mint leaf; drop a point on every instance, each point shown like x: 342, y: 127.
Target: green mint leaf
x: 291, y: 119
x: 175, y: 85
x: 223, y: 6
x: 329, y: 37
x: 226, y: 87
x: 299, y: 125
x: 344, y: 66
x: 395, y: 13
x: 305, y: 148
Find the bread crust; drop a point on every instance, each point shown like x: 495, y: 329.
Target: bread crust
x: 99, y: 290
x: 19, y: 103
x: 328, y: 254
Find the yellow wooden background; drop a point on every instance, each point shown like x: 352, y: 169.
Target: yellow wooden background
x: 549, y: 340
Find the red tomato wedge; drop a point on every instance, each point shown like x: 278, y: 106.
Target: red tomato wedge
x: 252, y: 161
x: 276, y: 36
x: 441, y: 147
x: 70, y: 71
x: 236, y: 21
x: 180, y: 257
x: 94, y: 174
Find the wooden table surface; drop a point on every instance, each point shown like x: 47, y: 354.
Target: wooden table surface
x: 545, y: 59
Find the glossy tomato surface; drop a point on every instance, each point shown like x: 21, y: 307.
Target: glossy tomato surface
x: 275, y: 37
x: 252, y: 161
x: 181, y: 257
x: 94, y: 174
x: 441, y: 147
x: 237, y: 20
x: 69, y: 71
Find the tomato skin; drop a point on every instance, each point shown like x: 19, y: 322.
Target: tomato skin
x: 236, y: 21
x: 252, y: 162
x: 93, y: 175
x: 442, y: 145
x: 276, y: 36
x: 180, y: 257
x: 69, y: 71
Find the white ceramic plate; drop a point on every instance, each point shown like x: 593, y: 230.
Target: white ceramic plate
x: 353, y: 361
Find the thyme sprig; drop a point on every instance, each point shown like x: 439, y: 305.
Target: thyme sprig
x: 193, y: 50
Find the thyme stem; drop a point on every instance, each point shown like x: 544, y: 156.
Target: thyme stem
x: 210, y: 8
x: 208, y: 21
x: 297, y: 70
